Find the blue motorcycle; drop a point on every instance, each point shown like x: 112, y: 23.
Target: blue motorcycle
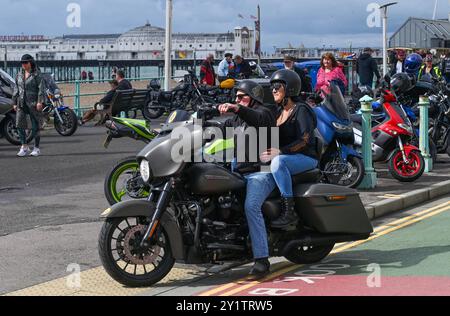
x: 340, y: 163
x: 65, y: 119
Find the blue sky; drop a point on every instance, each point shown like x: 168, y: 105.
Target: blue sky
x: 312, y: 23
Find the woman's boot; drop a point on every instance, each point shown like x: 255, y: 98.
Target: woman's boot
x: 288, y: 216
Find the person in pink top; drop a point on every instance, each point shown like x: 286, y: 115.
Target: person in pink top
x: 330, y: 70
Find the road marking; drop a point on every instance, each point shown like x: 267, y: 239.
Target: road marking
x: 385, y: 229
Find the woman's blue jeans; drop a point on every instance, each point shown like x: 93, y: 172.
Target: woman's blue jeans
x: 259, y: 187
x: 283, y: 167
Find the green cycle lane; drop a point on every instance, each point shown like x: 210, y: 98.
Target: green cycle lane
x: 404, y: 258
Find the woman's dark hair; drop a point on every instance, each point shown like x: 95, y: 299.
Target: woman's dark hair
x: 330, y: 56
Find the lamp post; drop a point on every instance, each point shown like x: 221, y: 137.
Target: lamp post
x: 167, y: 57
x: 384, y: 9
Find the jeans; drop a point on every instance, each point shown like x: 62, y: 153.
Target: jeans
x: 283, y: 167
x: 34, y: 131
x: 259, y: 187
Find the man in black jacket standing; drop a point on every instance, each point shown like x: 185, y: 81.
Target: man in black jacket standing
x: 367, y: 67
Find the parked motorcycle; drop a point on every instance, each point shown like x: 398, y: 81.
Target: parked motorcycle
x: 64, y: 118
x: 124, y: 180
x: 340, y: 164
x: 185, y: 96
x: 197, y: 216
x: 392, y: 140
x: 8, y: 127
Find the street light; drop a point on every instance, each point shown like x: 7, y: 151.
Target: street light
x: 167, y: 57
x: 384, y: 8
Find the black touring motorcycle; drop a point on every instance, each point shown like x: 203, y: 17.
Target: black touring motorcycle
x: 195, y: 215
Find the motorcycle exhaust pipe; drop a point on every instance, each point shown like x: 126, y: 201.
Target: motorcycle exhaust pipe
x: 320, y: 240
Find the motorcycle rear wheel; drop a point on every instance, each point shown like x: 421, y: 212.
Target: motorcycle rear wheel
x: 128, y: 165
x: 307, y: 255
x: 11, y: 133
x: 125, y: 261
x: 151, y: 114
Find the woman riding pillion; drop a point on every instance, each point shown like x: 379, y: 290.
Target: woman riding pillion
x: 28, y: 99
x: 296, y: 123
x: 285, y: 162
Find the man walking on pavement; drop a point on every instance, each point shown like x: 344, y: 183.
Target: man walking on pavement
x: 225, y: 66
x: 367, y: 67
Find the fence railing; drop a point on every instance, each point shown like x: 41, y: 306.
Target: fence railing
x: 78, y: 86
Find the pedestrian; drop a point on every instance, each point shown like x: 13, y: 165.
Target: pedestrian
x: 367, y: 68
x: 398, y: 65
x: 427, y: 69
x: 207, y: 73
x: 330, y: 71
x: 91, y: 76
x: 225, y: 67
x: 114, y: 72
x: 289, y: 63
x: 124, y: 84
x: 84, y: 75
x: 242, y: 68
x: 28, y: 100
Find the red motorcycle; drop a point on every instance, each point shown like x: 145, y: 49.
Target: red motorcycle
x: 391, y: 138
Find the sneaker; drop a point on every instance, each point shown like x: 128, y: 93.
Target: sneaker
x: 24, y: 152
x: 36, y: 152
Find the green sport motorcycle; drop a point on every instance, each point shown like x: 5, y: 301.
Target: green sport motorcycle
x: 124, y: 180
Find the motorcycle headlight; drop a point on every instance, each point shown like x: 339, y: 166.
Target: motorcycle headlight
x: 145, y: 170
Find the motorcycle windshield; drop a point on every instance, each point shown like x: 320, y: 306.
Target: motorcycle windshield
x: 335, y: 103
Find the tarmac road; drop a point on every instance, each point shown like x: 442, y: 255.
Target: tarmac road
x: 49, y: 205
x: 49, y: 208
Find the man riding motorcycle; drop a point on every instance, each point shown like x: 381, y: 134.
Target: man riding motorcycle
x: 251, y: 113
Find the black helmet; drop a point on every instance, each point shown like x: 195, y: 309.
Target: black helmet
x: 254, y: 90
x: 26, y: 58
x: 291, y: 79
x: 401, y: 83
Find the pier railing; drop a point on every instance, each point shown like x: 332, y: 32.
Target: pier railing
x: 83, y: 94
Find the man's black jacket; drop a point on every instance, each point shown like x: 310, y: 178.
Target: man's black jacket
x: 367, y: 67
x: 259, y: 116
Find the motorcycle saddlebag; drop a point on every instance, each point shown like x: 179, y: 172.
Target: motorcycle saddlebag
x: 331, y: 209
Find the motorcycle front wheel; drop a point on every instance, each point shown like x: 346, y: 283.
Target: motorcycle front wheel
x: 125, y: 260
x: 69, y: 123
x: 124, y: 181
x: 406, y: 172
x: 349, y: 176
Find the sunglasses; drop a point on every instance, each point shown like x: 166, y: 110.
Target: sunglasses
x: 276, y: 86
x: 241, y: 96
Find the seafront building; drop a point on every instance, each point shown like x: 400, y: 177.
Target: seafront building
x: 145, y: 42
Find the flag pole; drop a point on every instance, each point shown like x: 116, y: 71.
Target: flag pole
x: 259, y: 35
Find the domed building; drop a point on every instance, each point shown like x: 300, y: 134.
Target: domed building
x: 141, y: 43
